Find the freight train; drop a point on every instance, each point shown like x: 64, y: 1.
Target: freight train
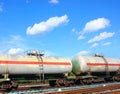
x: 57, y: 71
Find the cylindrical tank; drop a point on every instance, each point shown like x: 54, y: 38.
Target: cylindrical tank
x: 84, y: 64
x: 29, y: 64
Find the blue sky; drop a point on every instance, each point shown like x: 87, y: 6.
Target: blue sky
x: 60, y: 27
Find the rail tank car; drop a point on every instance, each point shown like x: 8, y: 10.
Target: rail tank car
x: 94, y: 64
x: 33, y: 63
x: 31, y: 67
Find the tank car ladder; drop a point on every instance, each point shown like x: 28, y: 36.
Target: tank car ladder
x: 40, y: 60
x: 38, y: 55
x: 106, y: 66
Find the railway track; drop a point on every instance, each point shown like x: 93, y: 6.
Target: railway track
x: 24, y: 88
x: 87, y: 89
x: 111, y: 89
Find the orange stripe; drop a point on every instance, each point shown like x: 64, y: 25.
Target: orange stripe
x: 102, y: 64
x: 35, y: 63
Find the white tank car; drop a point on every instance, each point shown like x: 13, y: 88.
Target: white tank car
x: 97, y: 63
x: 32, y: 64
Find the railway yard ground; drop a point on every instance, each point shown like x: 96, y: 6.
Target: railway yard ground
x: 106, y: 88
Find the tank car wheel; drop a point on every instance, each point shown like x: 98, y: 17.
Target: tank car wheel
x: 89, y: 82
x: 66, y: 82
x: 72, y: 82
x: 52, y: 83
x: 77, y: 81
x: 118, y: 79
x: 113, y: 78
x: 14, y: 84
x: 60, y: 82
x: 103, y: 81
x: 7, y: 86
x: 82, y: 82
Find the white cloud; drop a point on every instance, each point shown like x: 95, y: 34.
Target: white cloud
x: 12, y: 41
x: 73, y: 30
x: 106, y: 43
x: 54, y: 1
x: 84, y: 52
x: 102, y: 36
x: 48, y: 25
x: 15, y: 51
x: 95, y: 25
x: 28, y: 1
x: 94, y: 45
x: 16, y: 37
x: 81, y: 37
x: 1, y: 7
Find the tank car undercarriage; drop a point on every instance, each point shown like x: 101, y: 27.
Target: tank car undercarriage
x: 14, y: 81
x: 8, y: 84
x: 58, y: 81
x: 85, y: 80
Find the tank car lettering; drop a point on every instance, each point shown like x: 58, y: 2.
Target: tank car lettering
x: 102, y: 64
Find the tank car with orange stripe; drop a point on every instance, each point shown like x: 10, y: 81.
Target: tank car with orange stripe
x: 33, y: 65
x: 23, y: 64
x: 92, y: 69
x: 94, y: 64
